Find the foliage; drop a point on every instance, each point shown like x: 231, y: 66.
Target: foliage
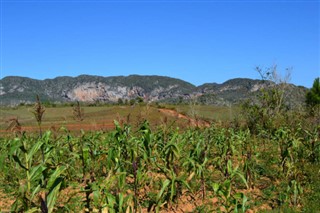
x: 270, y: 109
x: 58, y: 91
x: 313, y: 98
x: 218, y: 169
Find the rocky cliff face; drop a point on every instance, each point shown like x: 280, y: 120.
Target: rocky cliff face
x: 15, y: 90
x: 91, y: 91
x: 236, y: 90
x: 149, y: 88
x: 86, y: 88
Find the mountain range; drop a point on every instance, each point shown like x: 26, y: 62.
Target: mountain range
x: 15, y: 90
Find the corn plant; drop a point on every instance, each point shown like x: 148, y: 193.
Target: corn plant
x: 133, y: 169
x: 226, y: 149
x: 38, y: 111
x: 230, y: 200
x: 119, y: 201
x: 169, y: 166
x: 197, y: 162
x: 148, y: 143
x: 39, y: 178
x: 249, y: 155
x: 312, y: 144
x: 170, y: 188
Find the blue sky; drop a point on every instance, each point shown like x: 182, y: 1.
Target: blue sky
x: 196, y: 41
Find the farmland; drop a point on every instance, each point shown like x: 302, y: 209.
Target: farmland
x: 102, y: 117
x: 173, y: 158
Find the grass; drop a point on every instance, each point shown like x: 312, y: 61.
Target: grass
x: 103, y: 116
x: 216, y: 113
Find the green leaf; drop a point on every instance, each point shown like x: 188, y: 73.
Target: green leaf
x: 35, y: 191
x: 36, y: 172
x: 215, y: 187
x: 165, y: 184
x: 96, y: 196
x: 52, y: 196
x: 46, y: 136
x: 34, y: 150
x: 241, y: 176
x: 244, y: 201
x: 85, y: 154
x: 186, y: 184
x: 16, y: 159
x: 120, y: 201
x: 111, y: 200
x: 227, y: 185
x: 229, y: 167
x: 59, y: 170
x: 238, y: 195
x: 14, y: 145
x: 35, y: 209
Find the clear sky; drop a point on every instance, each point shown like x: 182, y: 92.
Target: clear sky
x: 196, y: 41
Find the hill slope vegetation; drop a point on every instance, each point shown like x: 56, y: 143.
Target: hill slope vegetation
x: 87, y: 88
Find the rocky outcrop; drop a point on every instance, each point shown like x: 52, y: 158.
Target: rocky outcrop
x: 89, y: 92
x: 14, y: 90
x: 86, y: 88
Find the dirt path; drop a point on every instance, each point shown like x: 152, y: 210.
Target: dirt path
x: 192, y: 121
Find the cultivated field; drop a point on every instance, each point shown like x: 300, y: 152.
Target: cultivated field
x: 102, y: 117
x: 179, y: 158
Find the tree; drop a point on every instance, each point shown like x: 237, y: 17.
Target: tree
x: 273, y: 96
x: 132, y: 102
x: 313, y: 97
x: 120, y: 101
x: 78, y: 112
x: 270, y: 107
x: 139, y: 99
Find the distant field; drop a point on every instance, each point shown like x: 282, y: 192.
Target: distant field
x: 102, y: 117
x: 216, y: 113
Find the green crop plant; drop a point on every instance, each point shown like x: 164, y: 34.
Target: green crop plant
x: 312, y: 144
x: 291, y: 151
x: 226, y: 150
x: 147, y: 143
x: 171, y: 152
x: 147, y: 168
x: 231, y: 201
x: 112, y: 196
x: 38, y: 178
x: 175, y: 180
x: 249, y: 155
x: 170, y: 188
x: 38, y: 111
x: 197, y: 162
x: 140, y: 158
